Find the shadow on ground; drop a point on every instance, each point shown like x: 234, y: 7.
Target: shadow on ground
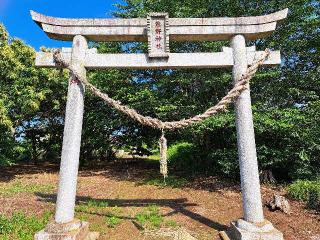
x: 10, y: 173
x: 143, y: 170
x: 178, y: 205
x: 140, y: 171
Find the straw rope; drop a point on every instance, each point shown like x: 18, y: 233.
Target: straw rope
x: 221, y: 106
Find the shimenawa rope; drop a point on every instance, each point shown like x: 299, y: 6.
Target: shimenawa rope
x: 221, y: 106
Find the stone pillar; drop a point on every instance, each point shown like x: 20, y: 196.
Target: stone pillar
x: 71, y: 137
x: 64, y: 226
x: 250, y: 183
x: 253, y: 226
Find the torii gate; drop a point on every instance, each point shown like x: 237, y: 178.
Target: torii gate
x: 158, y: 29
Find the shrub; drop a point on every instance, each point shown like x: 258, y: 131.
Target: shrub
x: 225, y: 162
x: 185, y: 156
x: 307, y: 191
x: 181, y: 151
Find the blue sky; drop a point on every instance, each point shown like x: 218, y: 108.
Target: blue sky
x: 15, y: 15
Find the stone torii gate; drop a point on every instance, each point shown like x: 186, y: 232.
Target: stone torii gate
x: 158, y: 29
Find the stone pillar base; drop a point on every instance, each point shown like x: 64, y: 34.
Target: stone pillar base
x: 75, y: 230
x: 243, y: 230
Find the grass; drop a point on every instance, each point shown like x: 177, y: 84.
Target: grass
x: 20, y: 226
x: 150, y: 217
x: 92, y: 205
x: 19, y: 187
x: 170, y: 181
x: 98, y: 203
x: 112, y: 221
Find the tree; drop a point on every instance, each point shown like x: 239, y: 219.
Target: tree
x: 31, y: 103
x: 285, y: 100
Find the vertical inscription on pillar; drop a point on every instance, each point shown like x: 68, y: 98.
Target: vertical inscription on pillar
x: 158, y: 35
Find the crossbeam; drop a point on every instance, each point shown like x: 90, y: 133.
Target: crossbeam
x: 142, y: 61
x: 180, y: 29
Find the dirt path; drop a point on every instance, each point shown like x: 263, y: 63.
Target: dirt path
x: 116, y: 193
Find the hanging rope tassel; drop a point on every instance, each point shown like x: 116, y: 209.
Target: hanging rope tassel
x: 163, y: 156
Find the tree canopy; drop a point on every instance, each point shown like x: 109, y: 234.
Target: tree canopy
x: 285, y: 99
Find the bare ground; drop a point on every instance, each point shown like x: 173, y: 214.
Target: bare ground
x: 204, y: 206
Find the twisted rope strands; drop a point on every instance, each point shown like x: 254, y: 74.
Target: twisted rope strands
x: 221, y: 106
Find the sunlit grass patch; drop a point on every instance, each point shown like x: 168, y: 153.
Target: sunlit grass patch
x: 98, y: 203
x: 113, y: 221
x: 112, y: 218
x: 150, y: 217
x: 20, y: 226
x: 19, y: 187
x: 91, y: 206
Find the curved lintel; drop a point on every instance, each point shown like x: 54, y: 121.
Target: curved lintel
x: 181, y: 29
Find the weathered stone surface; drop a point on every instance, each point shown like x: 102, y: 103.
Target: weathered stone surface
x: 53, y: 227
x: 249, y: 174
x: 142, y: 61
x: 217, y: 21
x: 264, y: 226
x: 80, y: 233
x: 262, y: 231
x: 183, y: 29
x: 280, y: 203
x: 71, y: 138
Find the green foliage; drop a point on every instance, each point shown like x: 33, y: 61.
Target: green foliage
x: 92, y: 206
x: 31, y: 104
x: 286, y: 99
x: 186, y: 156
x: 150, y: 217
x: 19, y: 187
x: 181, y: 151
x: 20, y: 226
x: 113, y: 221
x: 98, y: 203
x: 307, y: 191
